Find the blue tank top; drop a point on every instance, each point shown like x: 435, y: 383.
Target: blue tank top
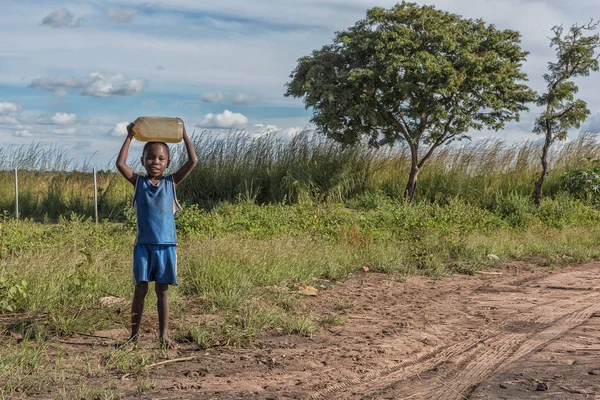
x: 155, y: 207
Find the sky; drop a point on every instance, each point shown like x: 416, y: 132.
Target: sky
x: 74, y: 73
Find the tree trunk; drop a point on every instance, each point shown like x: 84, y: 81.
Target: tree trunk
x: 540, y: 182
x: 409, y: 191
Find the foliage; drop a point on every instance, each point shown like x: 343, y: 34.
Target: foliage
x: 576, y: 56
x: 517, y: 210
x: 583, y: 183
x: 565, y: 211
x: 414, y: 74
x: 13, y: 291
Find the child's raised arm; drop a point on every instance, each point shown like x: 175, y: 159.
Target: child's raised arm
x: 122, y: 158
x: 190, y: 163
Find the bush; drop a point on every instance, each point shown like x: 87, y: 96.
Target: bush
x: 13, y: 291
x: 516, y: 209
x: 564, y: 211
x: 583, y: 184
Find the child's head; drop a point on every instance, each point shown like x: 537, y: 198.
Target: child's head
x: 155, y: 158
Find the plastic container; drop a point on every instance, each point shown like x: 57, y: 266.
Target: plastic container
x: 158, y: 129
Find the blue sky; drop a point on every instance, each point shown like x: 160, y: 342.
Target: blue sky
x: 74, y: 73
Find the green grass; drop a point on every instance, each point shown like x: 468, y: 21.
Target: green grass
x: 244, y: 262
x: 240, y: 267
x: 237, y: 168
x: 334, y: 320
x: 263, y: 218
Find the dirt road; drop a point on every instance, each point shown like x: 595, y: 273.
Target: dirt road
x: 523, y: 334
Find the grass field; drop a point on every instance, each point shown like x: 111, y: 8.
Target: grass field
x: 244, y: 265
x: 309, y: 168
x: 255, y: 231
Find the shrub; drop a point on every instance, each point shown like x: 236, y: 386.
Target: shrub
x: 583, y: 183
x: 516, y: 209
x: 564, y: 211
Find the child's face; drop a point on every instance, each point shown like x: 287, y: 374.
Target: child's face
x: 155, y: 160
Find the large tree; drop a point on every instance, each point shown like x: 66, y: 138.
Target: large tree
x: 415, y: 74
x: 575, y: 56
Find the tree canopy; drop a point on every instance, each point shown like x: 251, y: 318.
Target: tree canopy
x: 415, y: 74
x: 576, y: 56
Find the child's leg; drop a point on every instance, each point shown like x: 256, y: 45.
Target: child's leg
x: 137, y: 308
x: 162, y: 303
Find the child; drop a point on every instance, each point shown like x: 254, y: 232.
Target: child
x: 155, y: 205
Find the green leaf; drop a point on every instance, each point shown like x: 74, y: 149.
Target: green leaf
x: 415, y: 74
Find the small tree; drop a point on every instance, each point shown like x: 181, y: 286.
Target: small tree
x: 413, y: 74
x: 576, y: 56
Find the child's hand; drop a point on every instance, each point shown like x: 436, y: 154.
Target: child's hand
x: 130, y: 129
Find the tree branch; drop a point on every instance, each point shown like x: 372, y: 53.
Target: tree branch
x: 403, y: 128
x: 559, y: 116
x: 440, y: 140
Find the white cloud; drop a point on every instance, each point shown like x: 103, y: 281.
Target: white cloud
x: 225, y: 120
x: 122, y: 15
x: 22, y: 133
x: 63, y: 118
x: 291, y: 132
x: 274, y: 131
x: 119, y: 130
x: 58, y: 85
x: 109, y: 85
x: 57, y: 119
x: 97, y: 84
x: 263, y: 130
x: 9, y: 108
x: 214, y: 97
x: 58, y: 19
x: 8, y: 119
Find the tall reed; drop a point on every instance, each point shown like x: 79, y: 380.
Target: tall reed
x: 268, y: 170
x: 238, y: 167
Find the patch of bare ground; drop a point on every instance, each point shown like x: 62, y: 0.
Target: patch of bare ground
x: 525, y: 333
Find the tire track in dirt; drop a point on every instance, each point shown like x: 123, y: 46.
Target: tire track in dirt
x: 471, y: 362
x: 511, y: 350
x: 403, y: 369
x: 421, y: 339
x: 500, y: 354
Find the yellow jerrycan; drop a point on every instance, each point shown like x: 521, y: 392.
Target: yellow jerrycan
x: 158, y: 129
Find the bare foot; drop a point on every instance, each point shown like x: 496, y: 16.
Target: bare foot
x: 166, y: 344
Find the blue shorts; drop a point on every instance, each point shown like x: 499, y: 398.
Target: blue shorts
x: 155, y: 262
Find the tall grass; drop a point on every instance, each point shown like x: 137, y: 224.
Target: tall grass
x: 36, y: 157
x: 310, y: 167
x: 237, y: 167
x: 52, y: 185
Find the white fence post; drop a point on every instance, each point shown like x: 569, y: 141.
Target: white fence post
x: 16, y: 194
x: 95, y: 197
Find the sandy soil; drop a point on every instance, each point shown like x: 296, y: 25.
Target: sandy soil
x: 521, y: 334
